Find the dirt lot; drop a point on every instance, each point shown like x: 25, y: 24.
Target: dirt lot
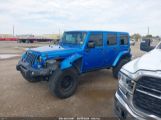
x: 94, y: 97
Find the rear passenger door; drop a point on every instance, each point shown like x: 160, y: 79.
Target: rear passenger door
x: 111, y: 48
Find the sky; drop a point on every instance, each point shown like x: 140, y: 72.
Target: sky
x: 54, y: 16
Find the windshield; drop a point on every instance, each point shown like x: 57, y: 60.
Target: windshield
x: 73, y: 38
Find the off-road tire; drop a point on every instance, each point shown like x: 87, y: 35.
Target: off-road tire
x: 117, y: 68
x: 58, y: 84
x: 31, y: 79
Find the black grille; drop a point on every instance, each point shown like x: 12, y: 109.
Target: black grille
x: 30, y: 58
x: 151, y: 102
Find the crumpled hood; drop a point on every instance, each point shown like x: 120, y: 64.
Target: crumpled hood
x: 56, y: 51
x: 150, y: 61
x: 48, y: 48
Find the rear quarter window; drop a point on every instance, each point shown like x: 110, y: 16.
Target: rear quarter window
x: 124, y: 39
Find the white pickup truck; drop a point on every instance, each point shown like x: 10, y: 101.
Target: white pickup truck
x: 139, y: 91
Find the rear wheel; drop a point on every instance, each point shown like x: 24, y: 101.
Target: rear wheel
x: 117, y: 68
x: 63, y: 84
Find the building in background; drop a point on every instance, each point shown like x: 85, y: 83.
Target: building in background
x: 52, y: 36
x: 30, y: 38
x: 55, y: 37
x: 6, y: 35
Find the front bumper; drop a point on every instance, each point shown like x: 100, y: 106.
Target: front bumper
x: 125, y: 111
x: 28, y: 71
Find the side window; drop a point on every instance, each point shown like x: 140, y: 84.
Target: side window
x: 124, y: 39
x: 111, y: 39
x: 97, y: 38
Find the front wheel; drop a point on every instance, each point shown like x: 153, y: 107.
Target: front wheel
x: 117, y: 68
x: 63, y: 84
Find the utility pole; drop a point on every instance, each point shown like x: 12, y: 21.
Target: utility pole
x: 59, y: 32
x: 13, y: 31
x: 148, y: 30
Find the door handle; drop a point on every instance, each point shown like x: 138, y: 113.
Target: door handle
x: 87, y: 50
x: 115, y: 48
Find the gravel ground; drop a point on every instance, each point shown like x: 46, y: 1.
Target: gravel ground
x: 19, y: 98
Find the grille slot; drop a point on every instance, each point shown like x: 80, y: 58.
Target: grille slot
x: 147, y: 95
x: 30, y: 58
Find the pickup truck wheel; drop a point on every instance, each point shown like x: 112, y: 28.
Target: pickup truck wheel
x: 63, y: 84
x: 18, y: 41
x: 117, y: 68
x: 30, y: 79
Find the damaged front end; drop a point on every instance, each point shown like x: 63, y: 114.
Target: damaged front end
x: 33, y: 65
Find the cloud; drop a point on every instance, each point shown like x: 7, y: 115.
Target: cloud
x: 48, y: 16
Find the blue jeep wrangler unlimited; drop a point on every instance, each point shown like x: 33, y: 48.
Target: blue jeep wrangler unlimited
x: 78, y: 52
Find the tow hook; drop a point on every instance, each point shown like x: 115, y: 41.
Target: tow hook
x: 122, y: 114
x: 18, y: 68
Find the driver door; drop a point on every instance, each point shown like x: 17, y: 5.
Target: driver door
x: 93, y: 57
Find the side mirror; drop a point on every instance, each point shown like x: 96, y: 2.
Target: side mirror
x: 145, y: 45
x: 91, y: 44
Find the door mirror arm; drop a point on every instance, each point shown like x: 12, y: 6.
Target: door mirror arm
x: 91, y: 44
